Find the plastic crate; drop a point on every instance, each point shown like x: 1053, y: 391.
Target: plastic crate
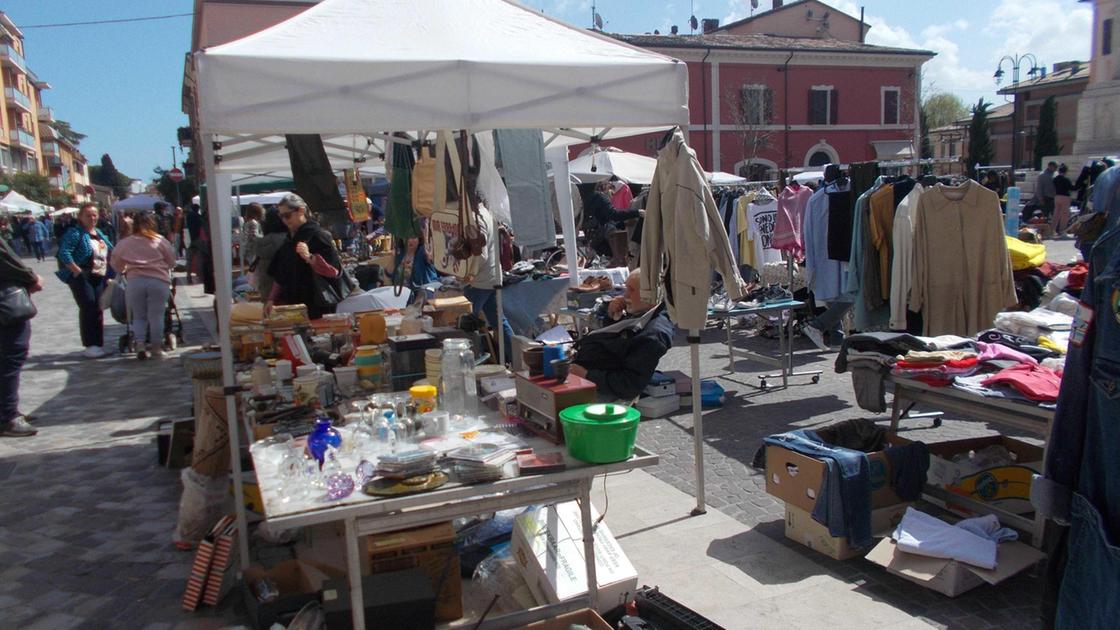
x: 669, y: 614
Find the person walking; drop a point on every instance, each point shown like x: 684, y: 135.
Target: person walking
x: 275, y: 235
x: 1063, y: 197
x: 193, y: 223
x: 25, y: 233
x: 251, y: 232
x: 83, y: 257
x: 308, y: 252
x: 38, y: 233
x: 146, y: 259
x: 15, y: 342
x: 1044, y: 190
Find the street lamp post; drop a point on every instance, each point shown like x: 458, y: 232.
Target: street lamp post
x: 1015, y: 61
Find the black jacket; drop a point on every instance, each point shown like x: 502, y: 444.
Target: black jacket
x: 622, y: 363
x: 296, y: 278
x: 12, y: 269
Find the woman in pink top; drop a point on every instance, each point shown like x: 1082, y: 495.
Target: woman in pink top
x: 146, y: 260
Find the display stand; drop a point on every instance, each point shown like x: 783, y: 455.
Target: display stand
x: 784, y: 360
x: 363, y: 515
x: 1026, y: 417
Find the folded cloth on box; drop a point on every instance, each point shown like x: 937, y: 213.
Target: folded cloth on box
x: 922, y: 534
x: 950, y: 342
x: 988, y: 526
x: 844, y: 501
x: 1033, y: 381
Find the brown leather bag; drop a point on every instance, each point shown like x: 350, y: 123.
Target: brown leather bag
x: 424, y: 182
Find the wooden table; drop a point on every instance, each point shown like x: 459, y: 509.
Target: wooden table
x: 1024, y: 416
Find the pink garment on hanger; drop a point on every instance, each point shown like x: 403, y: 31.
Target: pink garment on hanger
x: 787, y: 226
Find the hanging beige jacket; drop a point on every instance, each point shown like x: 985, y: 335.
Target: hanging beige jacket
x: 962, y: 271
x: 683, y: 238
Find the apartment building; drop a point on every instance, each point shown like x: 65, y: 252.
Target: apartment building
x: 28, y: 142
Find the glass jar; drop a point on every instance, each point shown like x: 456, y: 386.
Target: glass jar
x: 459, y: 388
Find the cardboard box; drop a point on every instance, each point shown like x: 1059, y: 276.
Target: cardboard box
x: 1006, y: 487
x: 548, y: 548
x: 401, y: 599
x: 796, y: 478
x: 430, y: 549
x: 446, y: 311
x: 298, y: 583
x: 585, y: 617
x: 801, y: 528
x: 950, y: 577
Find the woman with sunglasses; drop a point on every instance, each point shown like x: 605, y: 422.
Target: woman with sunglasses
x: 308, y: 252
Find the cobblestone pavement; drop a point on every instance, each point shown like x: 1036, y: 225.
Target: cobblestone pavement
x: 86, y: 513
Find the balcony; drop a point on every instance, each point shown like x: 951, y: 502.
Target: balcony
x: 50, y: 148
x: 46, y: 114
x: 9, y: 56
x: 54, y: 163
x: 23, y: 139
x: 14, y: 97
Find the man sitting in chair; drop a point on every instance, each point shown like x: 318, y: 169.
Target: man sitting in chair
x: 622, y: 357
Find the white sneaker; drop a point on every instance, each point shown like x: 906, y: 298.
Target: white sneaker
x: 93, y: 352
x: 815, y: 336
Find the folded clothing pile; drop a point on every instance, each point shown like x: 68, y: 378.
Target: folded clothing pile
x: 972, y: 541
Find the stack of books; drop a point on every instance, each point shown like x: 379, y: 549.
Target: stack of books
x: 479, y: 463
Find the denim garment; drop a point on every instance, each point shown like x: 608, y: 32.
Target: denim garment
x: 844, y: 501
x: 1087, y: 600
x: 15, y: 342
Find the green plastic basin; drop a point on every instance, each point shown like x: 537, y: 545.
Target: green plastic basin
x: 600, y: 433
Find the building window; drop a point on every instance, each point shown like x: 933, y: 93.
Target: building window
x: 757, y: 105
x: 890, y: 105
x: 820, y: 158
x: 952, y: 149
x: 1106, y: 37
x: 822, y: 105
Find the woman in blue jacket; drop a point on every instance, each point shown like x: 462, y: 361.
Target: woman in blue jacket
x: 83, y: 261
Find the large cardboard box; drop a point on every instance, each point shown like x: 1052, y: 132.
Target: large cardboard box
x: 579, y: 618
x: 950, y: 577
x: 297, y: 582
x: 430, y: 549
x: 548, y: 548
x: 1006, y: 487
x: 801, y: 528
x: 796, y: 478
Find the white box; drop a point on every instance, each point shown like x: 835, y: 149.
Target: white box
x: 548, y: 548
x: 950, y: 577
x: 655, y: 407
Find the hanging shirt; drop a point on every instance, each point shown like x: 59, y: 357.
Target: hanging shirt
x: 758, y: 231
x: 841, y: 207
x: 902, y: 263
x: 882, y: 233
x: 791, y: 213
x: 622, y: 197
x: 825, y: 273
x: 859, y: 285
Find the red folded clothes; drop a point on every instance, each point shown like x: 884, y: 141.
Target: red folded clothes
x: 1077, y: 275
x: 1037, y: 383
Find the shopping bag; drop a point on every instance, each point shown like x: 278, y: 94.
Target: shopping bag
x: 424, y: 182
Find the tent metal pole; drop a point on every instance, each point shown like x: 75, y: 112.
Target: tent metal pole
x: 500, y: 326
x: 240, y: 250
x: 558, y: 157
x: 219, y: 201
x: 697, y: 423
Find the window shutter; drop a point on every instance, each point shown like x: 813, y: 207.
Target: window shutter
x: 768, y: 106
x: 812, y: 102
x: 834, y: 108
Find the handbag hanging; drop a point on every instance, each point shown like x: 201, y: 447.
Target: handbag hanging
x: 443, y: 235
x: 424, y: 182
x: 16, y: 306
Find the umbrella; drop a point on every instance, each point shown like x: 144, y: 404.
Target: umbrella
x: 600, y: 163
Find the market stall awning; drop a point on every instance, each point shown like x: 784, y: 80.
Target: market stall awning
x: 15, y: 203
x: 432, y: 64
x: 893, y: 149
x: 600, y: 164
x: 137, y: 203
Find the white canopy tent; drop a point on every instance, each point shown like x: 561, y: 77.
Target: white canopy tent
x: 15, y: 203
x: 429, y: 70
x: 70, y: 210
x: 136, y: 203
x: 719, y: 178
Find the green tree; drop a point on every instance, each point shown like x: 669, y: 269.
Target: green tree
x: 980, y: 149
x: 1046, y: 138
x: 106, y: 174
x: 177, y: 196
x: 34, y: 186
x: 63, y: 129
x: 938, y: 110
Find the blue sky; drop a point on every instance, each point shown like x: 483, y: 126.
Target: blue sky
x: 120, y: 83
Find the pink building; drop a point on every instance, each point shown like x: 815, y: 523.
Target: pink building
x: 793, y: 87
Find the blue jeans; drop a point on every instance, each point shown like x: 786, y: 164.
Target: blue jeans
x: 37, y: 247
x: 844, y: 500
x: 14, y: 344
x: 485, y: 301
x: 1088, y: 595
x: 87, y: 290
x: 831, y: 320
